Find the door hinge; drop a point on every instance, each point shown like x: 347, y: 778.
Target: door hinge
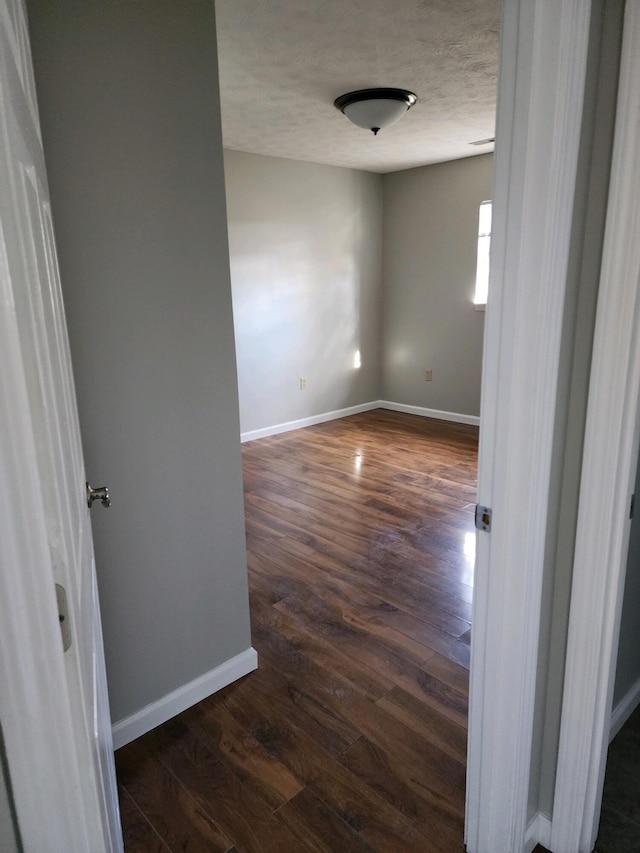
x: 483, y: 517
x: 63, y: 616
x: 633, y: 505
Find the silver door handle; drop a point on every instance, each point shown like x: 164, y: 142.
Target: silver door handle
x: 99, y: 494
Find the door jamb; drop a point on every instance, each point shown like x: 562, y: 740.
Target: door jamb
x: 542, y: 75
x: 607, y: 482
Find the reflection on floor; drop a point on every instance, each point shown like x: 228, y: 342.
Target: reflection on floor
x: 351, y: 735
x: 620, y: 821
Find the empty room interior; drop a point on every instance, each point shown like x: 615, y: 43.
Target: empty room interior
x: 353, y: 266
x: 272, y: 227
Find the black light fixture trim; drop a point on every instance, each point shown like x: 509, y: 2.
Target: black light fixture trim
x: 350, y: 99
x: 375, y: 94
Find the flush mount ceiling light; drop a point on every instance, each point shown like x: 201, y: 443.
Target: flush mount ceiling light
x: 374, y: 109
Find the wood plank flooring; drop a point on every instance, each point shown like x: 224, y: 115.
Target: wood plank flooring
x: 351, y: 735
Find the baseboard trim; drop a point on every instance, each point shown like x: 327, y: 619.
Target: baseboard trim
x: 538, y: 832
x: 455, y: 417
x: 132, y: 727
x: 310, y: 421
x: 624, y: 709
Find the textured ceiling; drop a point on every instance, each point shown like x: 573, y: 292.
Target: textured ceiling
x: 283, y: 63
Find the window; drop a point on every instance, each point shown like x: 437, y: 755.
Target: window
x: 484, y: 244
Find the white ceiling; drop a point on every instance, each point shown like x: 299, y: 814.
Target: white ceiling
x: 283, y: 63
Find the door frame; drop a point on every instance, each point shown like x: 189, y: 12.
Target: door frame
x: 542, y: 74
x: 607, y: 482
x: 540, y: 105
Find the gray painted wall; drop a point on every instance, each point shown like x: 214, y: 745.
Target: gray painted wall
x: 326, y: 261
x: 305, y: 246
x: 429, y: 265
x: 130, y: 115
x: 9, y: 841
x: 628, y: 667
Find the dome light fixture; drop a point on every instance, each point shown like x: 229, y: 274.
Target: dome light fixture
x: 374, y: 109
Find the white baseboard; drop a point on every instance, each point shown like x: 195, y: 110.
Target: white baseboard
x: 538, y: 832
x: 132, y: 727
x: 624, y: 709
x: 474, y: 420
x: 304, y: 422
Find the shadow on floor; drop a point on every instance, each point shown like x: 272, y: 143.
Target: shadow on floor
x: 620, y: 821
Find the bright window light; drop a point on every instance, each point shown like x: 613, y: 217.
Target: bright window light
x: 357, y: 361
x: 484, y: 245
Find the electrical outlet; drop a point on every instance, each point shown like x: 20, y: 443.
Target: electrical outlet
x: 428, y: 375
x: 303, y: 383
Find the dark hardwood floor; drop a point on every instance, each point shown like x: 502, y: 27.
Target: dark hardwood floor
x: 351, y: 735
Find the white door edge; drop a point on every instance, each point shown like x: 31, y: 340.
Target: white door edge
x: 36, y: 718
x: 542, y: 75
x: 609, y: 466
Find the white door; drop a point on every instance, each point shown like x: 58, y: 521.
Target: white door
x: 53, y: 704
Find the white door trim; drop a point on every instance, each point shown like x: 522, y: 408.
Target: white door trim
x: 608, y: 472
x: 540, y: 96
